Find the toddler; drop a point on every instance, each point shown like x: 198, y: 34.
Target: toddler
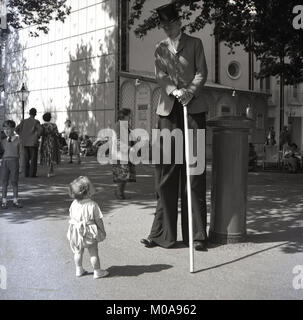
x: 86, y: 227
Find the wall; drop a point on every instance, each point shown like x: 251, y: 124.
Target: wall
x: 70, y: 71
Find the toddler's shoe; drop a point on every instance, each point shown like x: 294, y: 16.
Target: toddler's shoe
x: 50, y: 175
x: 100, y: 274
x: 81, y: 272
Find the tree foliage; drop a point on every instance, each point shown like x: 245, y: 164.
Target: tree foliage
x: 36, y: 13
x: 275, y: 43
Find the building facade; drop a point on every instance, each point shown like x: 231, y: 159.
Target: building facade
x: 71, y: 71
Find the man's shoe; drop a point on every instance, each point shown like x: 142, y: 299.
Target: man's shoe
x: 200, y: 245
x: 148, y: 243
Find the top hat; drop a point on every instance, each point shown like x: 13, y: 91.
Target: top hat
x: 167, y: 13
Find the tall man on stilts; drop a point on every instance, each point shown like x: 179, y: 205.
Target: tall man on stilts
x: 181, y: 72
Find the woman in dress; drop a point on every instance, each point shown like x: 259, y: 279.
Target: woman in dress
x: 123, y: 173
x: 49, y: 151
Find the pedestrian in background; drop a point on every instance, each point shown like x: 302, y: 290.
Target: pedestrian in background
x: 72, y: 140
x: 29, y: 131
x: 10, y: 154
x: 49, y: 150
x: 123, y: 173
x: 86, y: 226
x: 285, y: 137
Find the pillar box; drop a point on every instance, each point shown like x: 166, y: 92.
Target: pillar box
x: 229, y: 178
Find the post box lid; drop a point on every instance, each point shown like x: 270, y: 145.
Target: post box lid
x: 231, y: 122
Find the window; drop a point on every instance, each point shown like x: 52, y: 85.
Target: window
x: 225, y: 110
x: 234, y: 70
x: 295, y: 90
x: 217, y: 59
x: 267, y: 84
x: 260, y: 121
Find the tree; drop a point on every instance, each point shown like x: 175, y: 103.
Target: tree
x: 262, y: 27
x: 37, y: 13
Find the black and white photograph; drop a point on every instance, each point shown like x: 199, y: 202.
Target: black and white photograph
x: 151, y: 151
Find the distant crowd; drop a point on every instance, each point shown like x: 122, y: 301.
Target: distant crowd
x: 22, y: 144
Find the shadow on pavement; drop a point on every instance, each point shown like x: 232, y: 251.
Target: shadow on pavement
x: 134, y: 271
x: 47, y: 198
x: 275, y: 210
x: 274, y: 206
x: 239, y: 259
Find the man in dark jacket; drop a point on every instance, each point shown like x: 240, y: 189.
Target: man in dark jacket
x: 181, y: 73
x: 29, y: 131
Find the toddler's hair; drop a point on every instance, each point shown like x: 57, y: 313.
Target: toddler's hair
x: 81, y: 188
x: 9, y: 124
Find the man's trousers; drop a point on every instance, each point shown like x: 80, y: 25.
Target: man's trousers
x: 30, y: 161
x: 168, y: 179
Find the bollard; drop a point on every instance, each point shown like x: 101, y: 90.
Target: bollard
x: 229, y: 178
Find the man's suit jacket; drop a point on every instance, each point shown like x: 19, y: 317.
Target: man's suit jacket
x: 29, y: 131
x: 185, y: 68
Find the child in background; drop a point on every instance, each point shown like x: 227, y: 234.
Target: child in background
x: 72, y: 140
x: 86, y: 227
x: 10, y: 154
x: 123, y: 173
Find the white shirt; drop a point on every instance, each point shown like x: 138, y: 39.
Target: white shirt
x: 175, y: 42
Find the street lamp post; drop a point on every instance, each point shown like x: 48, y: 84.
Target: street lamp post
x: 23, y: 96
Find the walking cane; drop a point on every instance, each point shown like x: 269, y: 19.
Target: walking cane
x: 189, y: 202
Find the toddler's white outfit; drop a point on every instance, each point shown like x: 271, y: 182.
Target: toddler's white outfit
x: 83, y: 230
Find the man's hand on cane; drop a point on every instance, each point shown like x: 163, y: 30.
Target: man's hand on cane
x: 183, y: 96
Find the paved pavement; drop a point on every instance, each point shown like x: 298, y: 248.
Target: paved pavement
x: 39, y: 264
